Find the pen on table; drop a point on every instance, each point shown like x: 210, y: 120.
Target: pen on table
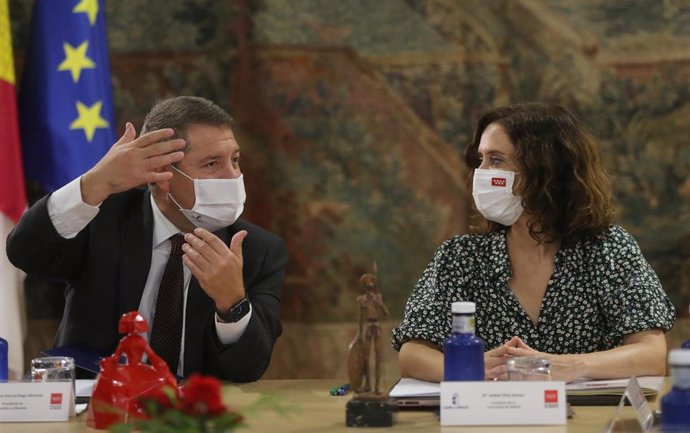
x: 341, y: 390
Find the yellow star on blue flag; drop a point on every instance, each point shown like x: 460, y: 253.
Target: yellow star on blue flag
x: 76, y: 60
x: 89, y: 7
x: 89, y: 119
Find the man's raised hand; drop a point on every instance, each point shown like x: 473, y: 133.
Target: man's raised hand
x: 131, y: 162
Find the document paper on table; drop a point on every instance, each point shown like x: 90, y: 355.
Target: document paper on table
x: 413, y: 392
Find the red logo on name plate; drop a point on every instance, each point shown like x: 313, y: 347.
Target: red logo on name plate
x: 550, y: 396
x: 498, y: 181
x: 56, y: 398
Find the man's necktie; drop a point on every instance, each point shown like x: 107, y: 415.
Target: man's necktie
x: 166, y: 333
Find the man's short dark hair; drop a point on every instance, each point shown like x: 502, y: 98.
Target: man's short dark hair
x: 181, y: 112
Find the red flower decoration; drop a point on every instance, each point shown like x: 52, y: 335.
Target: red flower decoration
x: 196, y: 407
x: 201, y: 395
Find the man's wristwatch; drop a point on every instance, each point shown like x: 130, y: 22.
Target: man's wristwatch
x: 236, y: 312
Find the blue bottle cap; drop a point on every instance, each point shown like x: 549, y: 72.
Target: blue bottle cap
x: 679, y: 358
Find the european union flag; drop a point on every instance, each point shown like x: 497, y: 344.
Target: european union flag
x: 65, y: 100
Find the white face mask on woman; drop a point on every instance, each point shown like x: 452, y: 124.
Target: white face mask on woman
x: 493, y: 194
x: 218, y: 204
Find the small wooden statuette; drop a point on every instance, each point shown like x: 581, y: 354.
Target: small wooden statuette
x: 369, y: 407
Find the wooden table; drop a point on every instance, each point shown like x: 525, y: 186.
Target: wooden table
x: 313, y: 410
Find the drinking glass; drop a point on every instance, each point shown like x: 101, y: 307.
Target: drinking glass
x: 53, y: 368
x: 529, y: 368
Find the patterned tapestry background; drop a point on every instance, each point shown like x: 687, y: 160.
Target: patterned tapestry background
x: 353, y: 116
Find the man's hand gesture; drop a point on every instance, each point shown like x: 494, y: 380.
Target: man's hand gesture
x: 217, y: 266
x: 131, y: 162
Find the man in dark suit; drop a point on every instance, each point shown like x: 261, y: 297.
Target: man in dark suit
x: 213, y: 307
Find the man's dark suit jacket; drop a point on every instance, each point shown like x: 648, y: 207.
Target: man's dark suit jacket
x: 106, y: 266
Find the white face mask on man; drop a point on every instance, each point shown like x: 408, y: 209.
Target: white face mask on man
x: 219, y: 202
x: 493, y: 194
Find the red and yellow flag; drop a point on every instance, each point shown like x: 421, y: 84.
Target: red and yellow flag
x: 12, y: 202
x: 12, y: 193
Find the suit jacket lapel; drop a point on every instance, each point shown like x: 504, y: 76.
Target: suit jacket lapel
x: 137, y: 236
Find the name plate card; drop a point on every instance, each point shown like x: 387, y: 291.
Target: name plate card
x: 644, y: 413
x: 36, y: 401
x: 503, y: 403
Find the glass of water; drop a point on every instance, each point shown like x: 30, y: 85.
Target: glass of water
x: 529, y: 368
x: 53, y: 368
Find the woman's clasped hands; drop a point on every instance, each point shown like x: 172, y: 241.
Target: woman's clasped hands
x: 563, y: 367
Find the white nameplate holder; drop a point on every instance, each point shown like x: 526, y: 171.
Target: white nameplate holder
x: 503, y: 403
x: 634, y: 394
x: 36, y: 401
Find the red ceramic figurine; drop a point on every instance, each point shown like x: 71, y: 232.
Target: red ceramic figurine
x: 118, y: 385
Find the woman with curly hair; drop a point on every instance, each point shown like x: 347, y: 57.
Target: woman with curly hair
x: 549, y: 272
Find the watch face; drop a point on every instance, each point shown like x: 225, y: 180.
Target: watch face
x: 241, y: 309
x: 237, y: 312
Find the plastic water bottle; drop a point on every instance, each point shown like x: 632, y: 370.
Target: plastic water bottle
x: 675, y: 405
x: 463, y: 352
x: 3, y: 360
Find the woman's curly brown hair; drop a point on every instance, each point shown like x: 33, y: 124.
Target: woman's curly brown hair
x: 562, y: 181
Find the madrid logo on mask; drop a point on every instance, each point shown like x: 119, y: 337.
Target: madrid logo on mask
x: 498, y: 181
